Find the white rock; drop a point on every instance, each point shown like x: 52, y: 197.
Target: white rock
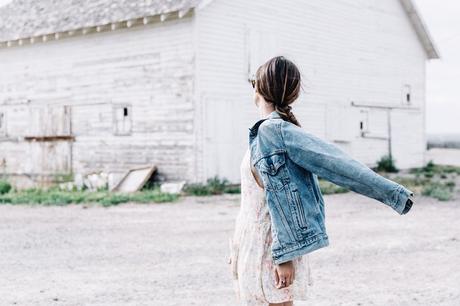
x: 172, y: 187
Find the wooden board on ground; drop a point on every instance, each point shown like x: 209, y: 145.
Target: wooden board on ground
x: 135, y: 179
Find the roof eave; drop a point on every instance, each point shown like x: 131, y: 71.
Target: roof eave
x: 421, y: 29
x: 161, y: 17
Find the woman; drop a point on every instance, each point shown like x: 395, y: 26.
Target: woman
x: 281, y: 218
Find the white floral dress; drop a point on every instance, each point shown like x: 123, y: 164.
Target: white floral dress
x: 250, y: 260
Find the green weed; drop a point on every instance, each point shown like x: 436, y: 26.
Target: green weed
x: 5, y: 187
x: 106, y: 198
x: 330, y: 188
x: 213, y: 186
x: 386, y: 164
x: 440, y: 191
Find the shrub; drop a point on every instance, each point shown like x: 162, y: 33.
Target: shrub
x: 5, y: 187
x: 233, y: 189
x: 440, y: 191
x: 430, y: 169
x: 216, y: 185
x: 197, y: 189
x: 330, y: 188
x: 58, y: 197
x: 386, y: 164
x: 213, y: 186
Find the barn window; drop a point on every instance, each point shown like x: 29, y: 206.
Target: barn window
x: 364, y: 122
x: 2, y: 124
x: 406, y: 95
x: 122, y: 121
x: 374, y: 123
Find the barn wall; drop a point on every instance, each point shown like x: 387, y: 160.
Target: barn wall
x: 129, y: 94
x: 347, y: 50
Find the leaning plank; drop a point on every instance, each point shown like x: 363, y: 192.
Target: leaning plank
x: 135, y: 179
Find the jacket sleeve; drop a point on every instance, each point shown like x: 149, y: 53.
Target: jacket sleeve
x: 329, y: 162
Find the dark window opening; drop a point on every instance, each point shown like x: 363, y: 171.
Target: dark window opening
x: 406, y: 95
x: 122, y: 121
x: 361, y: 125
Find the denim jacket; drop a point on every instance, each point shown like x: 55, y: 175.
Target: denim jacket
x: 289, y: 161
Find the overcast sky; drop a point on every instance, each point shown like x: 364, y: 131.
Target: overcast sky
x: 443, y: 76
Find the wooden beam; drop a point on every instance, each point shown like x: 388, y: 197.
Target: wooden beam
x: 163, y: 17
x: 383, y: 106
x: 182, y: 13
x: 50, y: 138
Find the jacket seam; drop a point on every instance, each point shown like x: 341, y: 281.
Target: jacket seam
x: 281, y: 133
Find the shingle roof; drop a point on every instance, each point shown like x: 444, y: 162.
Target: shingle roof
x: 29, y: 18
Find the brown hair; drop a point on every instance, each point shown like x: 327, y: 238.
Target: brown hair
x: 278, y: 82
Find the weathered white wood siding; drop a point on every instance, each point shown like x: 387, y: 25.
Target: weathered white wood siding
x: 348, y: 50
x: 180, y: 88
x: 147, y: 69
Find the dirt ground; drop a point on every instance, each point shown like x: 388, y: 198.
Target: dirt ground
x: 176, y: 254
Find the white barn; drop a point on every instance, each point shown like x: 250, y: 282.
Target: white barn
x: 99, y: 85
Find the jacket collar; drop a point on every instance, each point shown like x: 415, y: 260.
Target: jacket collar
x: 273, y: 114
x: 253, y: 130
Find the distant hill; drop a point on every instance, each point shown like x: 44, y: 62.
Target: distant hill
x: 451, y: 140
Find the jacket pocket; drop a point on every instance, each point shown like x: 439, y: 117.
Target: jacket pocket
x: 273, y: 171
x: 313, y: 188
x: 271, y: 164
x: 301, y: 218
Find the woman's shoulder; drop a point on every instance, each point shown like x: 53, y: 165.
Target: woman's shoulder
x: 270, y: 127
x: 291, y: 131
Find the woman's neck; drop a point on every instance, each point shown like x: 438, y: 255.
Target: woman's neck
x: 266, y: 110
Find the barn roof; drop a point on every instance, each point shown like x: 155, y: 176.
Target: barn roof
x: 420, y: 28
x: 24, y: 19
x: 30, y: 18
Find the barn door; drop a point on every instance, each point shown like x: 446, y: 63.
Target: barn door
x: 408, y: 147
x: 50, y: 140
x: 226, y: 134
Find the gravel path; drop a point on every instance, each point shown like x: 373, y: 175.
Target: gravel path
x: 176, y: 254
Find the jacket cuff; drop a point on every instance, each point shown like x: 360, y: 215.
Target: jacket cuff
x: 408, y: 206
x: 400, y: 199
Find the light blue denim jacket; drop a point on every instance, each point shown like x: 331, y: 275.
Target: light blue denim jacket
x: 289, y: 161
